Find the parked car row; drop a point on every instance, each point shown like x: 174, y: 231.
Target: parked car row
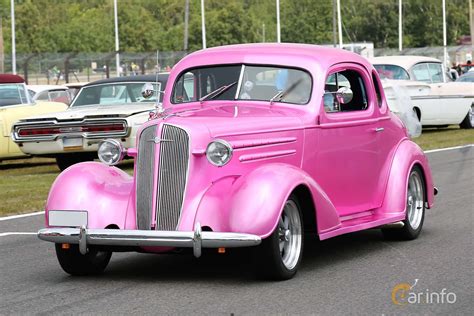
x: 252, y: 146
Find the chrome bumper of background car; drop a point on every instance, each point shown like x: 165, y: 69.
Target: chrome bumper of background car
x: 150, y: 238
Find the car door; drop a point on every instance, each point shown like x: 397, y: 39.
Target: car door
x: 452, y: 103
x: 347, y: 158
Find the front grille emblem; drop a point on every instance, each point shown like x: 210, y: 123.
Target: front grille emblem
x: 158, y: 140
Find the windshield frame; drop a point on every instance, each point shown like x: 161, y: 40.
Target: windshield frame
x: 239, y: 83
x: 116, y: 83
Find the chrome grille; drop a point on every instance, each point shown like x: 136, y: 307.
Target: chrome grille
x: 173, y: 169
x: 145, y: 172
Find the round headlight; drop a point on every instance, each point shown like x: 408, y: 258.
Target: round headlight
x: 111, y: 152
x: 219, y: 152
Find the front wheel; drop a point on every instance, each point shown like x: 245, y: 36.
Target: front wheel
x: 279, y: 255
x: 75, y: 263
x: 415, y: 209
x: 468, y: 121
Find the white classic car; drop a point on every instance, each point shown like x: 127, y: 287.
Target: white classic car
x: 435, y: 100
x: 109, y: 108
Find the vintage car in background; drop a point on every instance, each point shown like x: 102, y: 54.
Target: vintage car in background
x: 255, y: 145
x: 49, y: 93
x: 108, y: 108
x: 73, y: 88
x: 436, y: 101
x: 15, y: 104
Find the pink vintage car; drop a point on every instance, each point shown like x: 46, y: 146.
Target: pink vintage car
x: 256, y: 145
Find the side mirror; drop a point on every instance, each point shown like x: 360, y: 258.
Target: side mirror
x: 148, y: 90
x: 344, y: 95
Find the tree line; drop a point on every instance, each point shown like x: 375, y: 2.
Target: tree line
x: 58, y: 26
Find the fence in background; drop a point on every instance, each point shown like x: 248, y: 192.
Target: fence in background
x: 56, y: 68
x: 457, y: 54
x: 49, y: 68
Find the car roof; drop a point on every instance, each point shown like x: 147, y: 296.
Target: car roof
x: 9, y: 78
x: 289, y: 54
x: 403, y: 61
x: 162, y: 77
x: 41, y: 88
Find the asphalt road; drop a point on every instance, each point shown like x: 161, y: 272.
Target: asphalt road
x: 351, y: 274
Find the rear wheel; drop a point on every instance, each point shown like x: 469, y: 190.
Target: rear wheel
x: 75, y: 263
x: 279, y: 255
x: 67, y: 160
x: 415, y: 209
x: 468, y: 121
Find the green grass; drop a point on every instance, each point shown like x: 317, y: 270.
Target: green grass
x: 24, y: 183
x: 433, y: 138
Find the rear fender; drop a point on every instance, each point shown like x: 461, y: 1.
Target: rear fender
x: 407, y: 155
x: 253, y: 203
x: 102, y: 191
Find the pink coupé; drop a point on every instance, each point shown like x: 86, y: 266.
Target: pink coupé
x: 255, y: 145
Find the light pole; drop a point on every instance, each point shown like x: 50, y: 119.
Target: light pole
x: 400, y: 26
x: 186, y: 25
x: 339, y: 22
x: 445, y: 39
x: 12, y: 6
x: 203, y: 25
x: 278, y: 21
x: 117, y: 46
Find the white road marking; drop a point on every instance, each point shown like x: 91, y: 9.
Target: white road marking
x: 16, y: 233
x: 6, y: 218
x: 448, y: 148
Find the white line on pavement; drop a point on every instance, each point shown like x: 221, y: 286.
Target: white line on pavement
x: 16, y: 233
x: 448, y: 148
x: 20, y: 216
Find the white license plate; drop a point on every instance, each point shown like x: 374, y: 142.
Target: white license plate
x: 67, y: 218
x: 69, y: 143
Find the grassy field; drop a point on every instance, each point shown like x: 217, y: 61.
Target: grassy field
x: 24, y: 183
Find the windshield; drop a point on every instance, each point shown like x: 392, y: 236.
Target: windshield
x: 243, y: 82
x: 114, y: 93
x: 13, y: 94
x: 392, y: 72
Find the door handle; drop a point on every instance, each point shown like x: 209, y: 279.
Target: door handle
x: 379, y: 129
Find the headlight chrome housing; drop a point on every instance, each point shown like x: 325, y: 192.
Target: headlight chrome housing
x: 110, y: 152
x: 219, y: 152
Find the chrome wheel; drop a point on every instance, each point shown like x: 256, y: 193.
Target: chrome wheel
x: 415, y: 200
x: 289, y: 235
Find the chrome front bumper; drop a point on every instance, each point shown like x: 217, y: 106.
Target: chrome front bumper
x: 147, y: 238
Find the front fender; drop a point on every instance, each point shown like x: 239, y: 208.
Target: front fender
x: 102, y: 191
x: 407, y: 155
x: 253, y: 203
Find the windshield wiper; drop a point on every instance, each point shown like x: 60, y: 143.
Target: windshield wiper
x: 281, y: 94
x: 217, y: 92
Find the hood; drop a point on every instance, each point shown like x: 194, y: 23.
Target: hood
x: 232, y: 120
x: 95, y: 111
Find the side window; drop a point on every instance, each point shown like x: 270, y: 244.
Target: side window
x: 184, y: 90
x: 421, y: 73
x: 436, y: 72
x: 345, y: 79
x: 378, y: 91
